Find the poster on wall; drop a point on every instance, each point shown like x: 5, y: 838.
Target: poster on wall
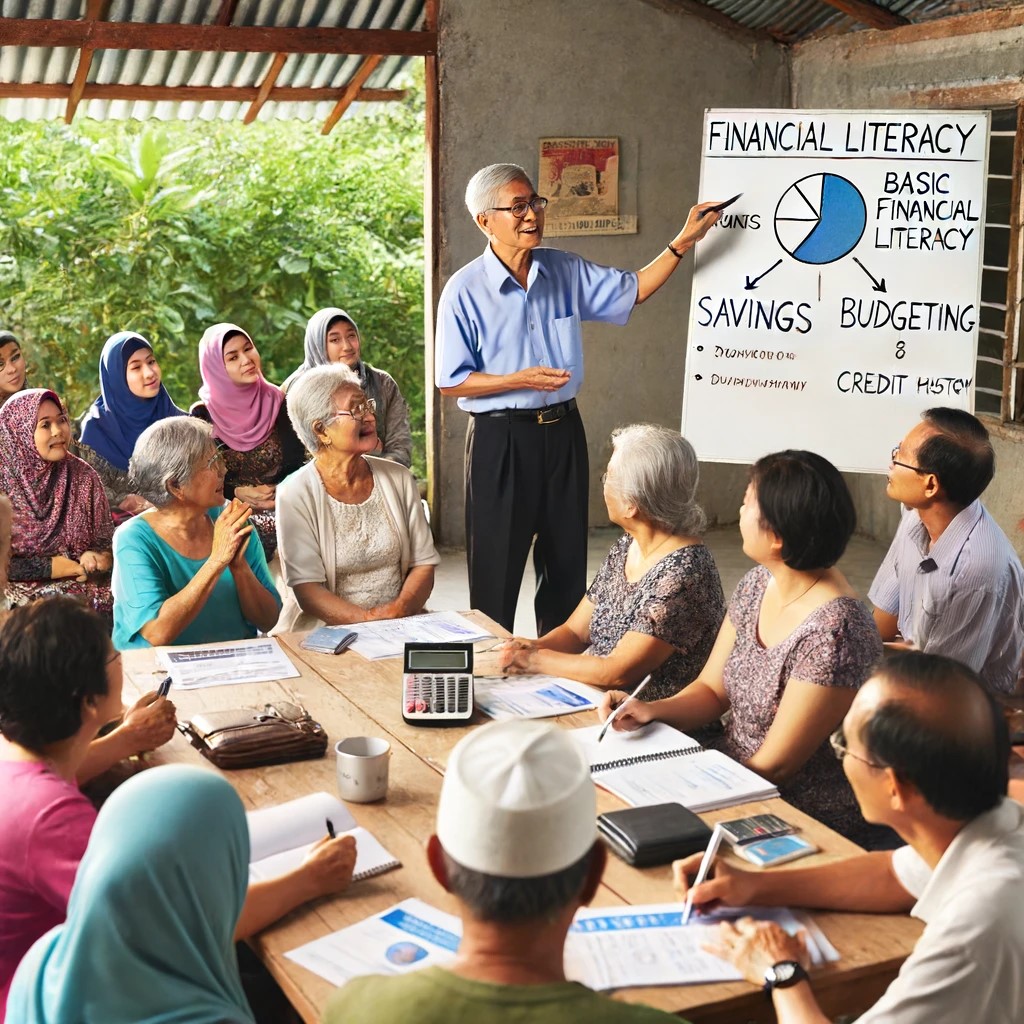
x: 580, y: 177
x: 838, y: 296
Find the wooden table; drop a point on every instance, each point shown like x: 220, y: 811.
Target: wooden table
x: 351, y: 696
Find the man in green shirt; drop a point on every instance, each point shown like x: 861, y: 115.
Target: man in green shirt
x: 516, y: 846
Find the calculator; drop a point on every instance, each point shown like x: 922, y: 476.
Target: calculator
x: 437, y: 683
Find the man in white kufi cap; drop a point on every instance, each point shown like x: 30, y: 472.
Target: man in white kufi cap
x: 516, y: 845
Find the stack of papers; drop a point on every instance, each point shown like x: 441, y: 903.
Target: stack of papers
x: 241, y: 661
x: 386, y: 638
x: 533, y: 696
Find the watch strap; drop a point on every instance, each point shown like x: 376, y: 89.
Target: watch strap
x: 793, y: 974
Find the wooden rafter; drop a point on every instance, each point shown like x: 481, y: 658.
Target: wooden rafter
x: 226, y: 12
x: 265, y: 87
x: 189, y: 93
x: 868, y: 13
x: 96, y: 10
x: 138, y: 35
x: 351, y: 91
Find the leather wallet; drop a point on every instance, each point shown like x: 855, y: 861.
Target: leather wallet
x: 248, y: 737
x: 645, y: 836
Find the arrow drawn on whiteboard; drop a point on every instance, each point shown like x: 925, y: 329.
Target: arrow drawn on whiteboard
x: 752, y: 283
x: 879, y: 286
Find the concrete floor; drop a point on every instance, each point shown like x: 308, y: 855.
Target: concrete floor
x: 451, y: 588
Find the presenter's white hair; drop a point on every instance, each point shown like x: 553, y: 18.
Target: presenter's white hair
x: 485, y: 186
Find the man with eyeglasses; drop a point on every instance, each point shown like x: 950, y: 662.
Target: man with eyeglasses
x: 509, y: 347
x: 951, y: 582
x: 925, y: 748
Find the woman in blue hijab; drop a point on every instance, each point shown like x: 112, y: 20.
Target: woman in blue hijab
x: 132, y: 397
x: 149, y: 935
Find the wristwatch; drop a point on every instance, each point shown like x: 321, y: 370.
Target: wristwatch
x: 782, y: 975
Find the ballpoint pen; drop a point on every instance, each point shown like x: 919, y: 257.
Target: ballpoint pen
x: 611, y: 718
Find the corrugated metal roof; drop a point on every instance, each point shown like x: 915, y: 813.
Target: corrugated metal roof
x: 57, y: 65
x: 792, y: 20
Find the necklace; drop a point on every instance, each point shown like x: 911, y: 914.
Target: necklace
x: 803, y: 593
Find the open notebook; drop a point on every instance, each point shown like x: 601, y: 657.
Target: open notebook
x: 281, y: 836
x: 658, y: 764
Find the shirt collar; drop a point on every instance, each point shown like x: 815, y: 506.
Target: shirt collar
x: 499, y: 275
x: 946, y: 549
x: 947, y: 880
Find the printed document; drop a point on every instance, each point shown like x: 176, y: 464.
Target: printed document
x: 533, y: 696
x: 387, y: 638
x: 239, y: 661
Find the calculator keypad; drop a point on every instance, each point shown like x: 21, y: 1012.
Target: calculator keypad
x: 437, y: 694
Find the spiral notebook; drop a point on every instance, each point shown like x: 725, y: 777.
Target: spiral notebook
x: 658, y: 764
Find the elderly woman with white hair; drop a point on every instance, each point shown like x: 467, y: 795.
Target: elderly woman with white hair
x: 354, y: 542
x: 656, y: 604
x: 191, y: 569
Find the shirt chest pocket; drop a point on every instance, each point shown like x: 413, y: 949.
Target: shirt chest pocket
x: 567, y: 341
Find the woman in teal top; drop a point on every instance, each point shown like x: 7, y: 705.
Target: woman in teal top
x: 190, y: 570
x: 149, y: 935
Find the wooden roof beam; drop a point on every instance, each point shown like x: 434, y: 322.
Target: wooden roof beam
x: 351, y: 92
x: 189, y: 93
x: 140, y: 35
x: 265, y: 86
x: 868, y: 13
x: 96, y: 10
x: 226, y: 12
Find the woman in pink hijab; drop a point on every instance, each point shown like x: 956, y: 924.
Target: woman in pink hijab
x: 250, y: 423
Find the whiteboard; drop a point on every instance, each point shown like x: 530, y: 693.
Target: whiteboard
x: 839, y: 296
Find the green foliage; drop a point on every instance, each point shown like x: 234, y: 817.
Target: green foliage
x: 168, y: 228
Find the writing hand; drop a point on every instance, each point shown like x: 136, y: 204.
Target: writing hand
x: 149, y: 723
x: 329, y: 865
x: 698, y: 224
x: 730, y: 886
x: 632, y: 717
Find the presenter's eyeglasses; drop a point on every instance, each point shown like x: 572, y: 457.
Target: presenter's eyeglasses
x: 357, y: 412
x: 838, y: 743
x: 518, y: 210
x: 893, y: 461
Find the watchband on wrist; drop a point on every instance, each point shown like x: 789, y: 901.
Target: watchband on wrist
x: 675, y: 252
x: 784, y: 974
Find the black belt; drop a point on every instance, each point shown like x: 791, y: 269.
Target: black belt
x: 549, y: 414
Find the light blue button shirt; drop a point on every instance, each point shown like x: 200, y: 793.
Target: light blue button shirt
x: 487, y: 323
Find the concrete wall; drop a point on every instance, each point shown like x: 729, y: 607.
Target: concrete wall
x: 513, y: 71
x: 924, y: 66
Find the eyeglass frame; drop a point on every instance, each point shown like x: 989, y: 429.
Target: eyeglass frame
x: 368, y: 405
x: 837, y: 741
x: 218, y: 456
x: 527, y: 204
x: 894, y: 462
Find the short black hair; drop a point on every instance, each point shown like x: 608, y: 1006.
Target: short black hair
x: 502, y: 900
x: 960, y: 455
x: 335, y: 319
x: 53, y: 654
x: 805, y: 502
x: 960, y: 770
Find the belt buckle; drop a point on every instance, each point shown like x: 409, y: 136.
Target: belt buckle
x: 549, y: 414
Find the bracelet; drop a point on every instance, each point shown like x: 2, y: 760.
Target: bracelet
x: 675, y: 252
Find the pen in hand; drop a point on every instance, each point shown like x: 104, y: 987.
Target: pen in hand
x: 611, y: 718
x: 704, y: 870
x: 330, y: 828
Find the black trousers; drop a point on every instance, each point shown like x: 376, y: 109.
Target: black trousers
x: 526, y: 480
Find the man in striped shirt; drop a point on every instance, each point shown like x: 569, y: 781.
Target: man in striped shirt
x: 951, y: 582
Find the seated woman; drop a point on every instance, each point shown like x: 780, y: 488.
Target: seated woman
x: 62, y: 526
x: 250, y: 423
x: 60, y: 682
x: 131, y: 398
x: 354, y: 542
x: 167, y: 865
x: 190, y: 570
x: 656, y: 604
x: 794, y: 648
x: 332, y: 337
x: 12, y: 366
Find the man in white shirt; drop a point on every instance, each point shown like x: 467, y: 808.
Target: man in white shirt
x: 951, y: 582
x: 925, y: 749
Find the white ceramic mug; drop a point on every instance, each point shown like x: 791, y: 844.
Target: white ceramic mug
x: 362, y: 768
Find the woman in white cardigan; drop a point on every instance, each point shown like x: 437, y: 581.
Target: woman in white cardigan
x: 354, y: 542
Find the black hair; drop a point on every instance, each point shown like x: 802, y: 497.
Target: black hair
x: 504, y: 900
x: 53, y: 654
x: 335, y: 319
x: 960, y: 455
x: 958, y: 771
x: 805, y: 502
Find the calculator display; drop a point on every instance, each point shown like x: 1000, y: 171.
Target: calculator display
x: 437, y: 661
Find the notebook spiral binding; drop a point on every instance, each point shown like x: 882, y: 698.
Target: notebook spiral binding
x: 661, y: 755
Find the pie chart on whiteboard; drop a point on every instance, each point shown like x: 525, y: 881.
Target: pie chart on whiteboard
x: 820, y: 218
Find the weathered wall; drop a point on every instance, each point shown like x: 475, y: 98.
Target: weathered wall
x: 924, y: 66
x: 513, y: 71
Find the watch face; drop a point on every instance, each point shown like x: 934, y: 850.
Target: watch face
x: 782, y: 974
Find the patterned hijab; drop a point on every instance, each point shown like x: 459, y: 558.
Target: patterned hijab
x: 315, y: 345
x: 149, y: 935
x: 243, y: 415
x: 44, y: 495
x: 114, y: 421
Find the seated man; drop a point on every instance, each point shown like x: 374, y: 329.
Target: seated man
x: 951, y: 583
x: 925, y: 749
x: 515, y: 846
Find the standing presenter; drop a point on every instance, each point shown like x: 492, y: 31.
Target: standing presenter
x: 509, y: 347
